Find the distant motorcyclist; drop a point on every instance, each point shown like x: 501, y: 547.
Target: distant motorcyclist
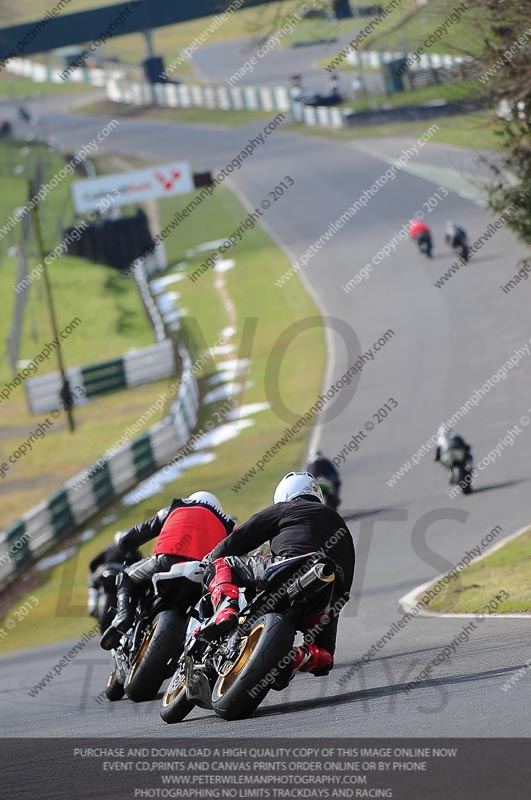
x: 421, y: 233
x: 321, y: 467
x: 456, y: 237
x: 186, y: 530
x: 297, y: 523
x: 113, y: 557
x: 447, y: 441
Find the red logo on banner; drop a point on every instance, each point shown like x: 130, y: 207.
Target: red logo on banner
x: 170, y: 182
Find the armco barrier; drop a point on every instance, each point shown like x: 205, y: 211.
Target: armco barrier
x: 133, y: 369
x: 40, y: 73
x: 118, y: 471
x: 184, y: 95
x: 90, y: 490
x: 376, y: 59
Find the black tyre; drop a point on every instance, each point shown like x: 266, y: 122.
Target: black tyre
x: 467, y: 484
x: 114, y: 689
x: 163, y: 642
x: 465, y: 481
x: 240, y: 692
x: 463, y: 252
x: 175, y: 705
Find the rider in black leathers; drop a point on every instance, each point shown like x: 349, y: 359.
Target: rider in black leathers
x: 448, y: 440
x: 110, y: 556
x: 296, y: 524
x: 456, y: 237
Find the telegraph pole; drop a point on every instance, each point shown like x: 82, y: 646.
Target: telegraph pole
x: 66, y: 394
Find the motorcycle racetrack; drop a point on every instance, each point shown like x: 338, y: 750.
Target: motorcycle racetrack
x: 445, y: 342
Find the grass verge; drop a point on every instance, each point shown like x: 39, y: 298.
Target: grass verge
x: 458, y: 90
x: 476, y: 130
x: 195, y: 116
x: 15, y: 87
x: 112, y: 321
x: 507, y: 568
x: 61, y: 591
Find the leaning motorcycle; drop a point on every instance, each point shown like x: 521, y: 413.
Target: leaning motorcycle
x: 462, y: 251
x: 425, y: 244
x: 232, y: 675
x: 460, y: 466
x: 330, y: 494
x: 149, y: 651
x: 459, y: 246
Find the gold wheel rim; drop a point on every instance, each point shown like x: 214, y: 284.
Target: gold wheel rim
x: 228, y: 680
x: 142, y: 653
x: 169, y: 697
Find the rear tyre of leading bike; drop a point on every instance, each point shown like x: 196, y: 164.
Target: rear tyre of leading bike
x: 163, y: 641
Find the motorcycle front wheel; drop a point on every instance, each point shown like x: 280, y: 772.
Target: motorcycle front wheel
x: 175, y: 704
x: 238, y: 693
x: 114, y: 689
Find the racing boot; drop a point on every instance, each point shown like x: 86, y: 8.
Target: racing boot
x: 224, y: 621
x: 125, y: 614
x: 306, y: 658
x: 224, y: 594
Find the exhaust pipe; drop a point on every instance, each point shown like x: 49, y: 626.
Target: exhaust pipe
x: 319, y: 573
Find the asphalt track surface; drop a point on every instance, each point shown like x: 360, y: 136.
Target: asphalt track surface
x: 273, y: 66
x: 447, y: 342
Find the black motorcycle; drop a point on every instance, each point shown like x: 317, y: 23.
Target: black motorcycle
x: 462, y: 251
x: 148, y: 653
x: 459, y: 463
x: 425, y: 243
x: 460, y: 246
x: 330, y: 494
x: 233, y: 675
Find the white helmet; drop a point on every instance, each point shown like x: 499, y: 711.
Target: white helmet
x: 297, y: 484
x: 444, y: 430
x: 207, y: 497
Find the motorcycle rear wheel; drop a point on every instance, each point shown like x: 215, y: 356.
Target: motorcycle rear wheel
x: 238, y: 694
x: 163, y: 642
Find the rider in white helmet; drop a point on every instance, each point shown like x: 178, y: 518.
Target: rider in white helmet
x: 186, y: 530
x: 297, y: 523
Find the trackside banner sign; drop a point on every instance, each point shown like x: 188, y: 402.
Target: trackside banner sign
x: 97, y: 194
